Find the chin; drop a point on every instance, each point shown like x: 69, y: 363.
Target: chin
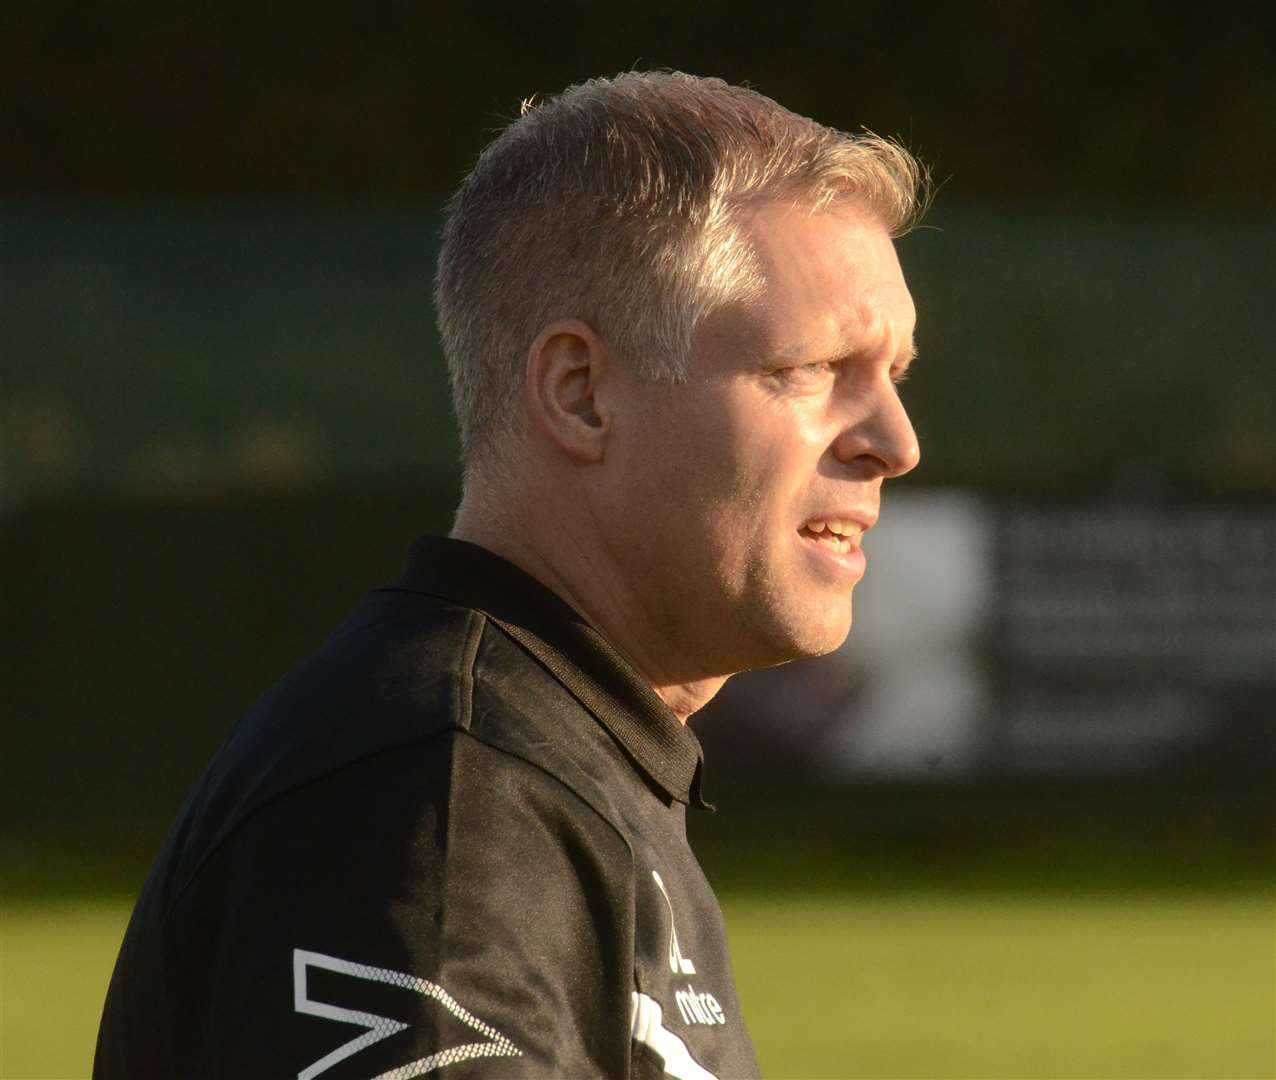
x: 804, y: 639
x: 828, y: 644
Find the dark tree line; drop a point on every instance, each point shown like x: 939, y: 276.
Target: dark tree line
x: 1130, y: 102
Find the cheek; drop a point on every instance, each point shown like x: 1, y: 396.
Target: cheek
x: 729, y: 466
x: 772, y: 461
x: 753, y: 498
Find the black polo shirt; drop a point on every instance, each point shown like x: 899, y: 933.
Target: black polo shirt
x: 451, y: 842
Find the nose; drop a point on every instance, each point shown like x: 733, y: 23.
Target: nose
x: 879, y: 442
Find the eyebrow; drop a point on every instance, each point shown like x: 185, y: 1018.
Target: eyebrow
x: 841, y: 351
x: 905, y: 359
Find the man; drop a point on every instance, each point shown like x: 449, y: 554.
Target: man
x: 454, y: 840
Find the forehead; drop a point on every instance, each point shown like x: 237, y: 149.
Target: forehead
x: 832, y: 283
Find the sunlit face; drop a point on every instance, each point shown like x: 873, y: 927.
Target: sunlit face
x: 737, y: 500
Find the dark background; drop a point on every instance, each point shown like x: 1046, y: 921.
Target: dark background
x: 223, y: 412
x: 1080, y: 106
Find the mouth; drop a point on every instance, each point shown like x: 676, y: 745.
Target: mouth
x: 838, y: 537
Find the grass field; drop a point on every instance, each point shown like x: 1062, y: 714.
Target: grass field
x: 1146, y: 985
x: 1149, y: 986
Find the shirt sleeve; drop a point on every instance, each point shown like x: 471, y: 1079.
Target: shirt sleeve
x: 447, y: 906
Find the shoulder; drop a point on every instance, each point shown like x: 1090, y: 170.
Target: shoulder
x: 421, y: 796
x: 391, y: 677
x: 410, y: 821
x: 415, y: 707
x: 447, y: 864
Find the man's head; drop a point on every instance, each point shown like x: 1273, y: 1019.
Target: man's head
x: 682, y: 301
x: 620, y: 202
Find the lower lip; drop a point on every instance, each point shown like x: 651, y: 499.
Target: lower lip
x: 850, y: 564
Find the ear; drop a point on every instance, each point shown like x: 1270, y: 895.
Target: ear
x: 565, y: 366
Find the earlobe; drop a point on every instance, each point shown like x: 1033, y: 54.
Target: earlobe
x: 565, y: 366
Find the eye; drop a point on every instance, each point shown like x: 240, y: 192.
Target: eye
x: 805, y: 373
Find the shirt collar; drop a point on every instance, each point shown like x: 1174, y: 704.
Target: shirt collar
x: 576, y: 654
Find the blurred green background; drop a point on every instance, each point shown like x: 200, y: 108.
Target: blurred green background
x: 223, y: 416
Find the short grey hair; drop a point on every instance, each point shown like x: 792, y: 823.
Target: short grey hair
x: 619, y: 202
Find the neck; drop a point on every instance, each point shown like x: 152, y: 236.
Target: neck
x: 549, y: 548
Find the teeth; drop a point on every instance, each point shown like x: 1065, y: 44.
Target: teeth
x: 837, y: 534
x: 848, y: 529
x: 835, y: 543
